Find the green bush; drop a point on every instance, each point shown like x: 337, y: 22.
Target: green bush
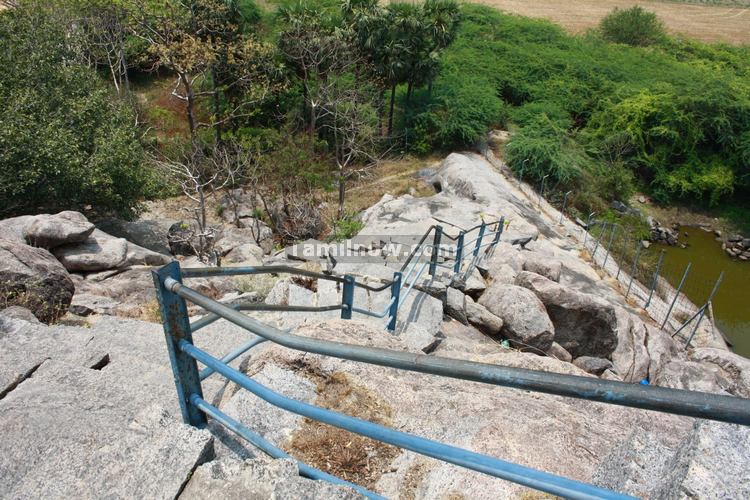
x: 543, y: 149
x: 65, y: 140
x: 633, y: 26
x: 458, y: 114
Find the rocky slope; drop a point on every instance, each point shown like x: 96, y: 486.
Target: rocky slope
x: 92, y: 409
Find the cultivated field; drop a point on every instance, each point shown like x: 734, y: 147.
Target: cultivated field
x: 705, y: 22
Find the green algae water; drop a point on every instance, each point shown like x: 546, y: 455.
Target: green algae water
x: 731, y: 304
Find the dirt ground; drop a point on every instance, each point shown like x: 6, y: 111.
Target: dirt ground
x: 705, y: 22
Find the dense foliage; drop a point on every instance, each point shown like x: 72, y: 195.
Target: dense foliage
x: 633, y: 26
x: 66, y: 140
x: 602, y: 117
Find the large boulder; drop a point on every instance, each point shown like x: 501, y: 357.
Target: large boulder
x: 100, y: 251
x: 13, y: 228
x: 480, y: 317
x: 49, y: 231
x: 630, y: 357
x: 525, y: 320
x: 661, y: 351
x: 543, y: 265
x: 248, y: 254
x: 585, y: 325
x: 147, y: 233
x: 32, y: 278
x: 233, y: 237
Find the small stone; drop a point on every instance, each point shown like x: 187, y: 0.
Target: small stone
x: 590, y: 364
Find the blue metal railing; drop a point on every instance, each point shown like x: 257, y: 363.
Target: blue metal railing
x: 184, y: 356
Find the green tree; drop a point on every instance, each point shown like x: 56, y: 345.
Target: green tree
x: 66, y: 140
x: 633, y: 26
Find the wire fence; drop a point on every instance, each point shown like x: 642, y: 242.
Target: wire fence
x: 669, y: 293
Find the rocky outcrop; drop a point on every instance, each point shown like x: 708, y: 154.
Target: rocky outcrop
x: 631, y: 358
x: 705, y: 463
x: 32, y: 278
x: 543, y: 266
x: 259, y: 478
x: 233, y: 237
x: 49, y: 231
x: 585, y: 325
x: 147, y: 233
x: 480, y: 317
x: 97, y: 253
x: 738, y: 247
x: 524, y: 317
x: 734, y: 368
x: 693, y: 377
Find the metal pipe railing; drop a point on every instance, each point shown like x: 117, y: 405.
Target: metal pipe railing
x: 268, y: 448
x: 232, y: 355
x: 374, y: 314
x: 409, y: 288
x: 502, y: 469
x: 680, y: 402
x: 261, y: 306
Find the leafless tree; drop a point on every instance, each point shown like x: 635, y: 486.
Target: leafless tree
x: 200, y: 177
x: 351, y: 120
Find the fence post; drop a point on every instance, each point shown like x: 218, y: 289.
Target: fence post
x: 498, y: 233
x: 622, y: 257
x: 565, y: 202
x: 479, y: 239
x: 598, y: 240
x: 609, y: 245
x: 541, y: 189
x: 588, y: 227
x: 176, y: 328
x: 635, y: 265
x: 703, y: 309
x: 395, y: 293
x: 656, y: 279
x: 677, y: 294
x: 347, y: 297
x: 459, y: 252
x: 435, y: 249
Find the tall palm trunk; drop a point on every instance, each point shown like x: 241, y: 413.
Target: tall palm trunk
x: 390, y: 113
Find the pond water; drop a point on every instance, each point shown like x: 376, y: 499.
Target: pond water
x: 731, y: 304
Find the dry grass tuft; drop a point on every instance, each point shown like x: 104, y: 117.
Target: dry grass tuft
x: 349, y: 456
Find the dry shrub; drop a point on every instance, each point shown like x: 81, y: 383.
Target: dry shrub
x: 262, y: 284
x: 352, y: 457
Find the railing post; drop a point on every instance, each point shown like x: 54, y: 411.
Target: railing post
x: 435, y: 249
x: 703, y: 309
x: 565, y: 202
x: 655, y: 281
x: 347, y: 297
x: 395, y: 293
x: 609, y: 245
x: 676, y: 295
x: 635, y: 265
x: 588, y: 228
x: 459, y: 252
x: 176, y: 328
x: 479, y: 238
x: 622, y: 256
x: 598, y: 240
x: 498, y: 233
